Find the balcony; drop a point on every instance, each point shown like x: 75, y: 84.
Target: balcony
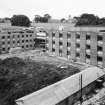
x: 88, y: 61
x: 88, y: 51
x: 68, y: 48
x: 61, y: 39
x: 99, y: 63
x: 78, y: 40
x: 78, y: 49
x: 88, y: 42
x: 100, y: 53
x: 100, y: 43
x: 53, y: 45
x: 61, y: 47
x: 53, y: 38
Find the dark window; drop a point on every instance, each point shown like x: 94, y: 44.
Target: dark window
x: 18, y: 41
x: 31, y: 45
x: 13, y: 41
x: 99, y: 38
x: 60, y: 51
x: 68, y: 35
x: 3, y: 37
x: 77, y: 45
x: 78, y: 36
x: 77, y: 54
x: 22, y: 41
x: 8, y: 36
x: 68, y: 53
x: 8, y: 48
x: 87, y: 37
x: 22, y: 36
x: 26, y: 40
x: 22, y: 46
x: 30, y: 40
x: 8, y: 42
x: 13, y: 36
x: 87, y: 46
x: 3, y: 42
x: 53, y: 42
x: 53, y: 50
x: 87, y: 56
x: 60, y: 43
x: 99, y: 48
x: 18, y: 36
x: 60, y: 35
x: 3, y: 49
x: 31, y: 35
x: 68, y: 44
x: 26, y: 35
x: 99, y: 58
x: 53, y: 34
x: 27, y: 46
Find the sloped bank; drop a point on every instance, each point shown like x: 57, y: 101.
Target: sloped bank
x: 21, y: 77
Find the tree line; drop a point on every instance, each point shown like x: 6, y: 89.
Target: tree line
x: 82, y: 20
x: 90, y: 19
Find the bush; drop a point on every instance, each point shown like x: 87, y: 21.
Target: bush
x: 19, y: 78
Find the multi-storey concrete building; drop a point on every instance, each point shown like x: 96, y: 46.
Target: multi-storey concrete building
x: 11, y: 39
x: 79, y: 45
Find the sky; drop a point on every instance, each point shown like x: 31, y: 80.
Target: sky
x: 56, y: 8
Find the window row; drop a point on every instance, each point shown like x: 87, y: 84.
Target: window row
x: 13, y: 36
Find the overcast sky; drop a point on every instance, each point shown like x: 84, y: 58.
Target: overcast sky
x: 56, y: 8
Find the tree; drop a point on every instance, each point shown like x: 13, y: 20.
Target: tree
x: 20, y: 20
x: 87, y: 19
x: 63, y: 20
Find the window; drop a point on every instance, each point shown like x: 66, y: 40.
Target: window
x: 18, y: 36
x: 31, y: 45
x: 87, y: 46
x: 31, y: 35
x: 99, y: 48
x: 99, y: 58
x: 3, y: 42
x: 22, y: 36
x: 8, y: 42
x: 60, y: 43
x: 26, y: 35
x: 3, y: 37
x: 18, y: 41
x: 13, y: 36
x: 87, y: 37
x: 77, y: 54
x: 87, y: 56
x: 22, y: 41
x: 68, y: 53
x: 78, y: 36
x: 8, y: 48
x: 78, y: 45
x: 60, y: 35
x: 3, y: 49
x: 13, y: 41
x: 8, y: 36
x: 53, y: 42
x: 27, y: 46
x: 53, y: 50
x: 68, y: 35
x: 99, y: 38
x: 22, y: 46
x: 68, y: 44
x: 53, y: 34
x: 26, y: 40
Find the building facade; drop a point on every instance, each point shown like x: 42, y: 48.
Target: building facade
x: 12, y: 39
x: 83, y: 46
